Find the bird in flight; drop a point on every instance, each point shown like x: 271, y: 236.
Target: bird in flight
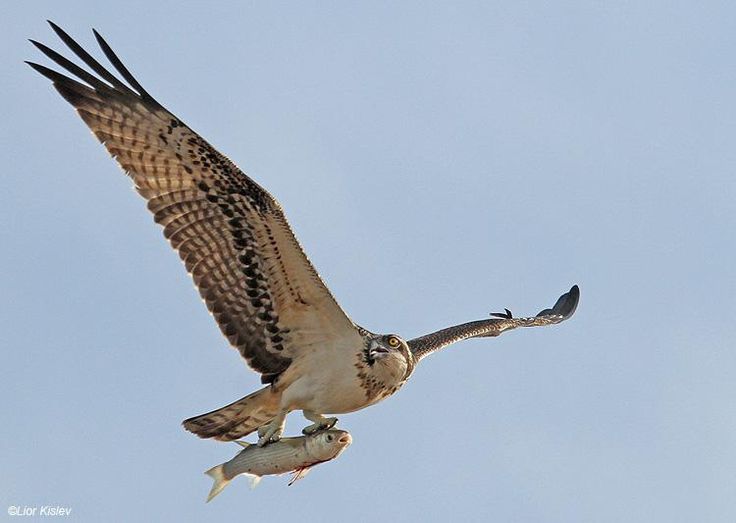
x: 248, y: 266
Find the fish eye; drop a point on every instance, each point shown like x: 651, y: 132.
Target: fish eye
x: 329, y: 437
x: 394, y: 342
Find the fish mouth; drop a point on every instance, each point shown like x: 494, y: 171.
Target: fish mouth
x: 345, y: 439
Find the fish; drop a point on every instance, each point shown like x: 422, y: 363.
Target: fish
x: 297, y: 455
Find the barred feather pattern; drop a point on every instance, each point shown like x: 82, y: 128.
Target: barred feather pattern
x: 231, y: 235
x: 563, y: 309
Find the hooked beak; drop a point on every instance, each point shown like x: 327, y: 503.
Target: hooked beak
x: 379, y: 352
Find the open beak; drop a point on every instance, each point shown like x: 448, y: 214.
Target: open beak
x: 378, y: 352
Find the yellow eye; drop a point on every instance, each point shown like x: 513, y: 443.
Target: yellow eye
x: 394, y: 342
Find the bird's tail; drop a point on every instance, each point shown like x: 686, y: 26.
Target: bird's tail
x: 238, y: 419
x: 217, y: 474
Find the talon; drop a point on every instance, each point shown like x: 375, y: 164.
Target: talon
x: 310, y: 429
x: 271, y: 432
x: 262, y: 442
x: 323, y: 424
x: 267, y: 438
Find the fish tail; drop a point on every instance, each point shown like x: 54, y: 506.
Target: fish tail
x: 217, y: 473
x: 238, y: 419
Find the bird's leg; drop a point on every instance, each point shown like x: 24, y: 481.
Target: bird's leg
x: 272, y: 431
x: 320, y: 422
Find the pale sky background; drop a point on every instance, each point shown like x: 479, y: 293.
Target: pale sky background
x: 438, y: 162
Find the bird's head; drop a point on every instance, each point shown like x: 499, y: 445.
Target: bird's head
x: 389, y: 353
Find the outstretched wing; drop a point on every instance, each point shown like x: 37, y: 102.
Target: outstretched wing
x: 232, y: 235
x: 562, y: 310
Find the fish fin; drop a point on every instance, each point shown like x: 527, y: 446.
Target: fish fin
x: 243, y: 444
x: 254, y: 480
x: 220, y: 483
x: 299, y: 474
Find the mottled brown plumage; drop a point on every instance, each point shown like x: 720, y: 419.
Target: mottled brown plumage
x: 429, y: 343
x: 230, y: 233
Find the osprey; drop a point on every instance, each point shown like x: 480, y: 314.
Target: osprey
x: 248, y: 266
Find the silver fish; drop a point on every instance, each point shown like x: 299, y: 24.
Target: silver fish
x: 297, y: 455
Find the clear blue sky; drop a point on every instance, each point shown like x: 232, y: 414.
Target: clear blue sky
x: 438, y: 162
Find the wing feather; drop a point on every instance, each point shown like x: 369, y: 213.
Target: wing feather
x: 562, y: 310
x: 231, y: 235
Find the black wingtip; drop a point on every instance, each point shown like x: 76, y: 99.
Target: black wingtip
x: 505, y: 315
x: 41, y: 47
x: 565, y: 305
x: 55, y: 27
x: 58, y: 30
x: 126, y: 74
x: 48, y: 73
x: 568, y: 303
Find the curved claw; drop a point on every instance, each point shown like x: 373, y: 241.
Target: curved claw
x: 269, y: 438
x: 271, y: 432
x: 262, y: 442
x: 326, y: 424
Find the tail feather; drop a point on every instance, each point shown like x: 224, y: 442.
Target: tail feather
x: 217, y: 474
x: 238, y: 419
